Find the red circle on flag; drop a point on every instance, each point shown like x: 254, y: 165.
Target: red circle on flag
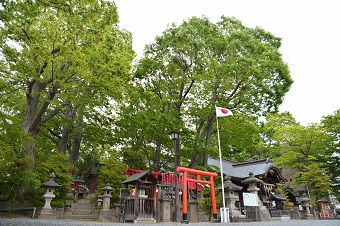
x: 224, y: 111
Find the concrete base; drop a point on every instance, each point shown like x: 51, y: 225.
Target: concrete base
x: 106, y: 215
x: 203, y: 217
x: 47, y: 214
x: 240, y: 219
x: 309, y: 217
x: 165, y: 211
x: 282, y: 218
x: 258, y: 214
x: 193, y: 212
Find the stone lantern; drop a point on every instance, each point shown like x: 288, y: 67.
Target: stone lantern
x: 106, y: 214
x: 50, y: 186
x: 231, y: 196
x: 106, y: 197
x: 252, y: 182
x: 263, y: 213
x: 305, y: 203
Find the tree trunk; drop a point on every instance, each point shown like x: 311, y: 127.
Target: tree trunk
x: 208, y: 132
x: 35, y: 116
x: 200, y: 136
x: 65, y: 135
x: 78, y: 135
x: 62, y: 147
x: 32, y: 122
x: 157, y: 156
x: 74, y: 155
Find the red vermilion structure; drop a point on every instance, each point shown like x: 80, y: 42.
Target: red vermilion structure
x: 187, y: 179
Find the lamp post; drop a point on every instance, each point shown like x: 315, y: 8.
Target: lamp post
x: 174, y: 135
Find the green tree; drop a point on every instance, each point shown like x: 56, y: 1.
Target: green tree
x: 270, y: 145
x: 317, y: 178
x: 331, y: 124
x: 282, y: 190
x: 112, y: 172
x: 302, y: 148
x: 193, y: 66
x: 65, y: 58
x: 297, y: 144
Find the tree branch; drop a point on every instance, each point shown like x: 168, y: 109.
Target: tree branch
x: 49, y: 115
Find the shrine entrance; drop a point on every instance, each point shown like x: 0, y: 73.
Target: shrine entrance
x: 187, y: 179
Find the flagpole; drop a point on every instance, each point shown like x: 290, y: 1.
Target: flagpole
x: 224, y: 219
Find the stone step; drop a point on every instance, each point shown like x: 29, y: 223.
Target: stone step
x: 81, y: 212
x: 89, y: 217
x: 82, y: 201
x: 82, y: 207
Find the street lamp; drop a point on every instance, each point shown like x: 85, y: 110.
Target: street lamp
x: 174, y: 135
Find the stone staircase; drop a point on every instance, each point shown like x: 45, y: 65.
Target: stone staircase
x: 81, y: 210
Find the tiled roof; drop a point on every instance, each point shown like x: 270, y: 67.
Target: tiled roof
x: 140, y: 175
x: 241, y: 170
x: 277, y: 196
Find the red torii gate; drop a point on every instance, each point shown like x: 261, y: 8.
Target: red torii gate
x: 199, y: 173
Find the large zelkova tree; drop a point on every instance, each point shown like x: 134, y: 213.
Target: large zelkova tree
x: 62, y: 62
x: 192, y: 67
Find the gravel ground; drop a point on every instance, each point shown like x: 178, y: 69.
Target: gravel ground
x: 40, y: 222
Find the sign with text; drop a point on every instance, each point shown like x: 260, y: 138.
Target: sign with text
x: 250, y: 199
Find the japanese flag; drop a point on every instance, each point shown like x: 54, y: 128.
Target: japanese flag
x: 220, y: 112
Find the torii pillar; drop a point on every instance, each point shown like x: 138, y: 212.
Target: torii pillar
x: 199, y: 173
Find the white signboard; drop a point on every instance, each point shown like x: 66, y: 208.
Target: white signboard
x: 250, y: 199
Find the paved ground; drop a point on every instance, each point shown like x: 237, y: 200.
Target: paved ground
x: 38, y: 222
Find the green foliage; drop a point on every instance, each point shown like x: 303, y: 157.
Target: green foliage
x: 331, y: 124
x: 282, y: 189
x: 190, y: 68
x: 239, y: 137
x: 12, y: 172
x: 62, y: 63
x: 112, y: 172
x: 57, y: 203
x: 205, y: 203
x: 86, y: 158
x: 317, y: 178
x: 307, y: 149
x: 30, y: 181
x: 24, y: 186
x: 57, y: 163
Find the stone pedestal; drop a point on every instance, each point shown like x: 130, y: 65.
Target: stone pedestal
x: 261, y: 213
x: 164, y: 212
x: 48, y: 198
x: 194, y: 212
x: 106, y: 215
x: 231, y: 196
x: 47, y: 214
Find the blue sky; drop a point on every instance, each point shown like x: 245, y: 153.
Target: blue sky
x: 309, y: 29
